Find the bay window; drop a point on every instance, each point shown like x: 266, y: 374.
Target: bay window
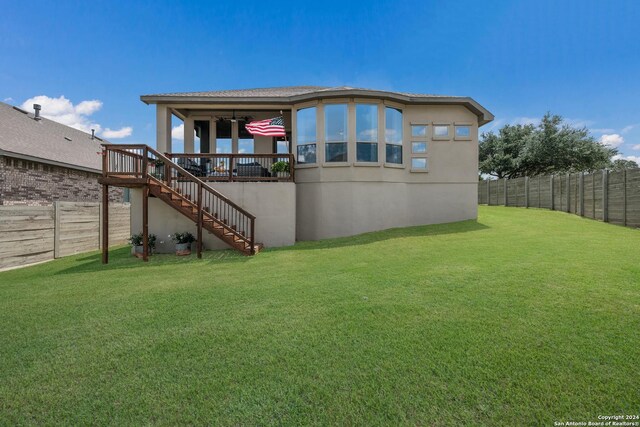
x: 366, y: 133
x: 306, y: 135
x: 335, y: 132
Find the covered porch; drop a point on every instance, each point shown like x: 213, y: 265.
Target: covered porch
x: 214, y: 144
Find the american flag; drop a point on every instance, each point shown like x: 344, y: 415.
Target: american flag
x: 267, y: 127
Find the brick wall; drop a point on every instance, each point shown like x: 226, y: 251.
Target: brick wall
x: 24, y: 182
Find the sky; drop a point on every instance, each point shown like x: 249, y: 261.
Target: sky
x: 88, y: 62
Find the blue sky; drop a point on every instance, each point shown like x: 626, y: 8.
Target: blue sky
x: 580, y: 59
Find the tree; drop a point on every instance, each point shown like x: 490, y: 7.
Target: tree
x: 552, y: 146
x: 621, y: 164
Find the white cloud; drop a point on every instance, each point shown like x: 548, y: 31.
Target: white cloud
x: 612, y: 140
x: 119, y: 133
x: 626, y: 129
x: 9, y: 99
x: 633, y: 158
x: 636, y: 147
x: 62, y: 110
x: 177, y: 132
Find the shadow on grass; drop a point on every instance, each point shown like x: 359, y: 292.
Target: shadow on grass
x: 392, y: 233
x: 121, y: 258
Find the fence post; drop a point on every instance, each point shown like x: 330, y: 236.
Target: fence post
x: 605, y: 195
x: 581, y: 191
x: 56, y: 229
x: 488, y: 193
x: 624, y: 197
x: 526, y: 191
x: 553, y: 204
x: 505, y: 191
x: 568, y: 193
x: 539, y: 204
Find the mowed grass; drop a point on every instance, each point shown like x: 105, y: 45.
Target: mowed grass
x: 524, y: 317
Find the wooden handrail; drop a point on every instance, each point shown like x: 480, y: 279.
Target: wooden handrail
x: 169, y: 164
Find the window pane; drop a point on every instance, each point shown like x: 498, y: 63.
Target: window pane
x: 419, y: 130
x: 393, y: 125
x: 418, y: 147
x: 335, y: 122
x: 366, y: 123
x: 419, y: 163
x: 306, y: 125
x: 367, y: 152
x: 463, y: 131
x: 441, y: 130
x: 336, y: 152
x: 307, y: 153
x: 394, y: 153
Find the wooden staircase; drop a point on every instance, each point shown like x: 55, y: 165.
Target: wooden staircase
x: 159, y: 176
x: 235, y: 236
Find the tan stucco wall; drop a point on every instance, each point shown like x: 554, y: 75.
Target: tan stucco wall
x: 274, y: 204
x: 336, y: 209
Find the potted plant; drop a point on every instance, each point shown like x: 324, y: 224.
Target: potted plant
x: 280, y: 168
x: 183, y: 242
x: 137, y: 242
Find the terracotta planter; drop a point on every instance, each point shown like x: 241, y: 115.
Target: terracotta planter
x: 183, y: 249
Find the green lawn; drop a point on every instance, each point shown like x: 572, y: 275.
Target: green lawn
x: 524, y: 317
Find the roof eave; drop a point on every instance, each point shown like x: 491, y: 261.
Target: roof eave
x: 48, y: 161
x: 484, y: 115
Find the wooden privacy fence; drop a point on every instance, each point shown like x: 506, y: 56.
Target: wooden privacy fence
x: 30, y: 234
x: 610, y: 196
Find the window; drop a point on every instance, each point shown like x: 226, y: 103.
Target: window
x: 306, y: 135
x: 223, y: 137
x: 418, y: 147
x: 366, y: 133
x: 335, y: 132
x: 441, y: 131
x: 419, y: 131
x: 463, y: 131
x: 419, y: 163
x: 393, y: 135
x: 245, y: 139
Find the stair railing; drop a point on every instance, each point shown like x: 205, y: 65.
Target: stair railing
x: 143, y: 162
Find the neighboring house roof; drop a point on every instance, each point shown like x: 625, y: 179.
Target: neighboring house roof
x: 295, y: 94
x: 47, y: 141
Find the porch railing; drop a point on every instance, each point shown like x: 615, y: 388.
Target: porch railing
x: 237, y: 167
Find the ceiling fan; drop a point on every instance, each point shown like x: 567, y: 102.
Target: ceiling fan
x: 233, y: 118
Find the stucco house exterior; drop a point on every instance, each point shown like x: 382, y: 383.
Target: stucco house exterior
x: 42, y: 161
x: 362, y: 160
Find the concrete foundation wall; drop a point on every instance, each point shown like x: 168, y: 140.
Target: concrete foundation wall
x: 336, y: 209
x: 274, y: 205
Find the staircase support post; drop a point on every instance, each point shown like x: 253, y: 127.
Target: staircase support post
x: 199, y: 249
x: 253, y: 236
x: 145, y: 223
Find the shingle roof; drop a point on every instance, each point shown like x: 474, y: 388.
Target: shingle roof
x: 45, y: 139
x: 297, y: 94
x: 279, y: 92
